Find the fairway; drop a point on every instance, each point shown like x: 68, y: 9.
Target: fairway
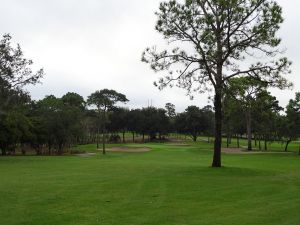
x: 171, y: 184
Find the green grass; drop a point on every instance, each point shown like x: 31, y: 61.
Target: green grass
x: 273, y: 146
x: 169, y: 185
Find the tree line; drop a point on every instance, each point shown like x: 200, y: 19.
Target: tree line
x: 52, y: 125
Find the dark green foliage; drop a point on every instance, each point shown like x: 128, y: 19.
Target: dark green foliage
x: 59, y: 121
x: 155, y: 122
x: 105, y: 99
x: 293, y: 116
x: 195, y: 121
x: 118, y: 120
x: 290, y: 124
x: 15, y: 73
x: 15, y: 128
x: 74, y: 100
x: 135, y: 122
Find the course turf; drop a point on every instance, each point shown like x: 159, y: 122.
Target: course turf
x: 172, y: 184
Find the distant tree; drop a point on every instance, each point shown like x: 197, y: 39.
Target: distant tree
x: 264, y: 115
x: 209, y: 38
x: 151, y: 121
x: 118, y: 120
x: 209, y: 118
x: 104, y: 100
x: 149, y: 125
x: 163, y: 123
x: 90, y: 126
x: 193, y: 121
x: 59, y: 121
x: 180, y: 123
x: 292, y: 121
x: 170, y: 108
x: 135, y: 122
x: 74, y: 100
x: 171, y: 113
x: 246, y: 91
x: 15, y: 128
x: 233, y: 119
x: 47, y: 114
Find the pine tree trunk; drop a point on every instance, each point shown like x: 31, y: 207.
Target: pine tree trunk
x: 195, y: 138
x: 227, y: 141
x: 249, y: 132
x: 60, y: 148
x: 49, y: 148
x: 218, y: 128
x: 103, y: 133
x: 97, y: 138
x: 287, y: 144
x: 103, y: 143
x: 23, y: 149
x: 266, y: 147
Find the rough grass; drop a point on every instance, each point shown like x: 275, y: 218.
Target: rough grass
x: 169, y: 185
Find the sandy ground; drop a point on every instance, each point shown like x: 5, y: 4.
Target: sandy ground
x: 128, y: 149
x: 243, y: 151
x: 86, y: 154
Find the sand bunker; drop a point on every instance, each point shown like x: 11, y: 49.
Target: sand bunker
x: 86, y: 154
x: 128, y: 149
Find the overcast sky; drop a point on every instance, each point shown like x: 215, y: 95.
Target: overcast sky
x: 94, y: 44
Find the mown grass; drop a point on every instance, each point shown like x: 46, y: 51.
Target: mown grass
x: 172, y: 184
